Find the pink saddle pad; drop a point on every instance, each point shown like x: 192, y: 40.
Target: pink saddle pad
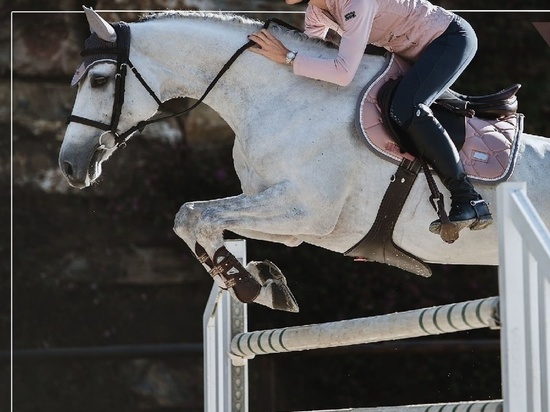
x: 490, y: 146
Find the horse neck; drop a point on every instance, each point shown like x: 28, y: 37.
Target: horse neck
x: 181, y: 57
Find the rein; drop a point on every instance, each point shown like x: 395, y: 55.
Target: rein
x: 122, y: 51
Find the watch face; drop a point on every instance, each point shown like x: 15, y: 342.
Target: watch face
x: 290, y: 56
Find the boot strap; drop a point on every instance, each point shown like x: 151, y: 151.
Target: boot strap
x: 220, y: 271
x: 202, y: 256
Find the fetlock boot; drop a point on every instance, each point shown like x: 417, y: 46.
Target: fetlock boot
x: 434, y: 145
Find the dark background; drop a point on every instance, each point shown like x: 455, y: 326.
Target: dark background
x: 102, y: 267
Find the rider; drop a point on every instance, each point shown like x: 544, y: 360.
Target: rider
x: 438, y: 43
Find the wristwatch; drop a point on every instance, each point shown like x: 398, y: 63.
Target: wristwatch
x: 290, y: 56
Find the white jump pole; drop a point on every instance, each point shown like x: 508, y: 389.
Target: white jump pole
x: 437, y: 320
x: 484, y: 406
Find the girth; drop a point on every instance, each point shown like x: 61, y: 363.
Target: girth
x: 378, y: 244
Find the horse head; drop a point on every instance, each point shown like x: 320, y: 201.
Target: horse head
x: 109, y: 104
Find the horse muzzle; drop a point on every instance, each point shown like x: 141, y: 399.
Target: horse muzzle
x: 81, y: 164
x: 78, y: 174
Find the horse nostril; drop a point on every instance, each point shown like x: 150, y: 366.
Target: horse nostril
x: 67, y: 169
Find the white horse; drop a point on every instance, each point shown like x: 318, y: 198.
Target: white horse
x: 306, y: 174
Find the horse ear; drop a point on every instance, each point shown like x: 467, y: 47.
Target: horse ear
x: 99, y: 26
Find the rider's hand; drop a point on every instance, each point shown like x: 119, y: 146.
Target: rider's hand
x: 268, y: 46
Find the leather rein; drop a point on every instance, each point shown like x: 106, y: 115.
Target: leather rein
x: 122, y: 51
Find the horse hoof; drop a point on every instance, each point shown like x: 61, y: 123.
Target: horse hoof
x: 274, y: 293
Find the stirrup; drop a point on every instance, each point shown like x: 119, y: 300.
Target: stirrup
x: 478, y: 222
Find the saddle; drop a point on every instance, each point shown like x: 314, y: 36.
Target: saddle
x: 485, y: 130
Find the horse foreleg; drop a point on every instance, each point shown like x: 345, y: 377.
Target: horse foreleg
x: 275, y: 213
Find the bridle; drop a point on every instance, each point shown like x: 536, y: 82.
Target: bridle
x: 122, y: 52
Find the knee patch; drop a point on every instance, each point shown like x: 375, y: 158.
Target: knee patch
x: 394, y: 109
x: 404, y: 115
x: 420, y: 111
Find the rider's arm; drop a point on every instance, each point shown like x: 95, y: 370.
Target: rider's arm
x: 354, y: 38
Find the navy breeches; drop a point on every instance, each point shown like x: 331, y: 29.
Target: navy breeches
x: 436, y: 69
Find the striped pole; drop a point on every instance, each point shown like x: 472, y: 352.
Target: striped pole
x: 478, y: 406
x: 437, y: 320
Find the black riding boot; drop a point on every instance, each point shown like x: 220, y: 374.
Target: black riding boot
x: 433, y: 143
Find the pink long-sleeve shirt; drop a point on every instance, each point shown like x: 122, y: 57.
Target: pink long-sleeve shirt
x: 404, y: 27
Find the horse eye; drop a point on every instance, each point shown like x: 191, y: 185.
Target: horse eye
x: 98, y: 81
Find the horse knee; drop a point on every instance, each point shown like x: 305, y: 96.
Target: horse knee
x: 196, y: 223
x: 185, y: 219
x: 210, y: 226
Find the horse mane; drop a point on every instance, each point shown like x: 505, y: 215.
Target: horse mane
x: 203, y: 15
x: 231, y: 18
